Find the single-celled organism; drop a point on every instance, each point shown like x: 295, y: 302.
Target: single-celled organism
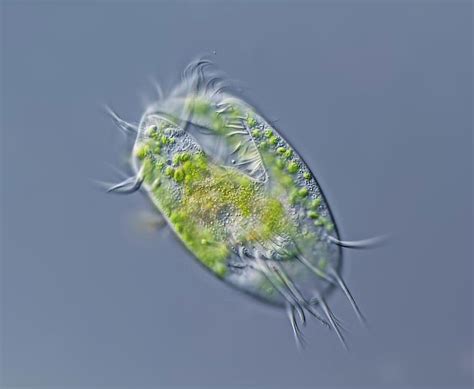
x: 239, y: 197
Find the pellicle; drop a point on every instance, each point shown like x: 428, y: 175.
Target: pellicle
x: 239, y: 197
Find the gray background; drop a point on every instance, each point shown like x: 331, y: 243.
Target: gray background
x: 376, y: 96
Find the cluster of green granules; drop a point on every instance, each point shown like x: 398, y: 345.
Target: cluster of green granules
x: 285, y: 167
x: 208, y: 205
x: 214, y: 208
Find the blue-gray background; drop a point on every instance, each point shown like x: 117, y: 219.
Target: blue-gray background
x: 376, y: 96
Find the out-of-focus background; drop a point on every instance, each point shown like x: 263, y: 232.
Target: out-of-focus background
x: 376, y: 96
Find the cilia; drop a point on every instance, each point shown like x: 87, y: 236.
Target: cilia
x: 239, y: 197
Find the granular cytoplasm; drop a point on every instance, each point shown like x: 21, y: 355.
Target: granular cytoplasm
x: 239, y: 197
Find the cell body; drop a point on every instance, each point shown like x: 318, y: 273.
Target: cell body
x: 239, y: 197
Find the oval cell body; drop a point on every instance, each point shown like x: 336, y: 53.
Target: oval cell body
x: 237, y: 195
